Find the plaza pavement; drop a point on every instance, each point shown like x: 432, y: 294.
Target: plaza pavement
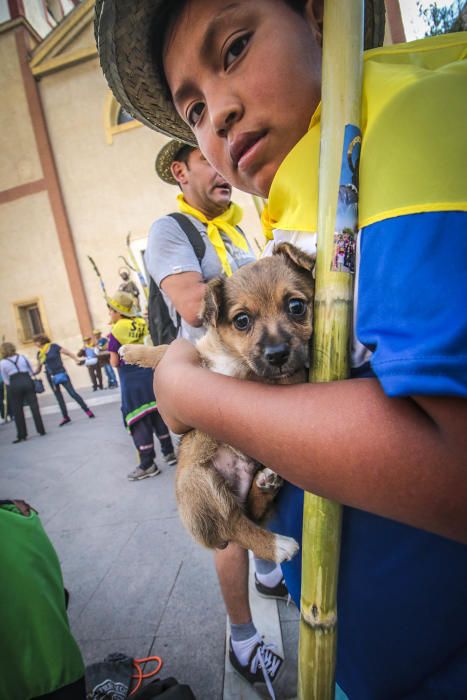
x: 138, y: 583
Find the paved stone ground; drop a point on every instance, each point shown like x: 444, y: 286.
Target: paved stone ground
x: 138, y: 583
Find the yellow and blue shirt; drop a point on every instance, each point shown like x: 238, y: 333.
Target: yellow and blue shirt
x: 402, y: 596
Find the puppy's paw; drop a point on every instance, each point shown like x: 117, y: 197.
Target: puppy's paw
x: 285, y: 548
x: 268, y: 481
x: 137, y: 355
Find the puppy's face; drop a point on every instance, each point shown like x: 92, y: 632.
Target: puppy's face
x: 263, y: 313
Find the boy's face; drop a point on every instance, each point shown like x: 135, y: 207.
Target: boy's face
x: 246, y: 77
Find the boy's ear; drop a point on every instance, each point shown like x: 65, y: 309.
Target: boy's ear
x: 213, y: 297
x: 314, y: 11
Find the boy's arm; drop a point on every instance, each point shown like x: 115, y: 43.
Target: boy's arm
x: 402, y: 458
x: 114, y: 359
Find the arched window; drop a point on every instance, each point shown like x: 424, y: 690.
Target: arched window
x: 116, y: 119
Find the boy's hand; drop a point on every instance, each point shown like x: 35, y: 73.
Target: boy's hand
x: 179, y: 362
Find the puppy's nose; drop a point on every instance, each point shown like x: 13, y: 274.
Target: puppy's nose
x: 277, y: 355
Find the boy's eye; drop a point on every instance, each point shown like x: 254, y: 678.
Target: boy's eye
x: 242, y: 321
x: 194, y: 113
x: 236, y: 49
x: 296, y: 307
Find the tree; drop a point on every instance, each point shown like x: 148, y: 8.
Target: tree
x: 442, y: 20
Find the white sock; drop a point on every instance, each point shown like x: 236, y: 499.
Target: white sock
x: 244, y: 648
x: 272, y: 578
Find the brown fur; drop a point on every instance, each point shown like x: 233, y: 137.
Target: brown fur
x: 221, y: 493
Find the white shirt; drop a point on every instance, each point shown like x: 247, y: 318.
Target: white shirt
x: 8, y: 367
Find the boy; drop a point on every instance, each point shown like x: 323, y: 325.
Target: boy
x: 139, y: 407
x: 399, y: 460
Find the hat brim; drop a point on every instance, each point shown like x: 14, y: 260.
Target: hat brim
x: 120, y: 309
x: 165, y: 158
x: 122, y: 36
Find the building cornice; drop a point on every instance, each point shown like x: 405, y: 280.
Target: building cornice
x: 19, y: 22
x: 48, y: 56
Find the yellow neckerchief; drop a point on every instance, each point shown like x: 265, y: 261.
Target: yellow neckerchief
x: 414, y: 112
x: 43, y: 352
x: 226, y: 222
x: 130, y: 330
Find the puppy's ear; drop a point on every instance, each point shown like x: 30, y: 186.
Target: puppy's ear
x: 212, y: 302
x: 295, y: 256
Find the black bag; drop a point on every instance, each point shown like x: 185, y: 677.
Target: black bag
x: 161, y: 327
x: 38, y: 386
x: 167, y: 689
x: 109, y: 679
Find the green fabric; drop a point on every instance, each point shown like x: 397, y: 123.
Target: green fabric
x: 141, y: 409
x: 37, y: 650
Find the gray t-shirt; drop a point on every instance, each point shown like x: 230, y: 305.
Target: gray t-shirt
x: 169, y: 252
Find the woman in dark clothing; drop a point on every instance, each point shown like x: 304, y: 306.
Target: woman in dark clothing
x: 17, y: 375
x: 50, y: 355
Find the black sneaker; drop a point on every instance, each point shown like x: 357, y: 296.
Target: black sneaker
x: 267, y: 672
x: 278, y: 592
x: 171, y: 459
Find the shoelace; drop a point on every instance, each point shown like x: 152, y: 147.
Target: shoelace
x: 268, y: 662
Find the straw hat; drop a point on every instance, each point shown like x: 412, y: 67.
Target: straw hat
x: 122, y: 29
x: 165, y: 158
x: 123, y: 303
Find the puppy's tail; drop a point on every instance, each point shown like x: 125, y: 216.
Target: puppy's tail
x: 263, y: 543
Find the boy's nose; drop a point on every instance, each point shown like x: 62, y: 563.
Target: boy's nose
x: 224, y: 116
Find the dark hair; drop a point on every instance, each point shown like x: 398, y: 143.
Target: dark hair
x: 41, y: 338
x: 162, y: 25
x: 183, y: 154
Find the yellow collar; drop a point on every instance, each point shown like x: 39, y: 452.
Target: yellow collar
x: 226, y: 223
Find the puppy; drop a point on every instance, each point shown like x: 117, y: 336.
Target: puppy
x: 258, y: 327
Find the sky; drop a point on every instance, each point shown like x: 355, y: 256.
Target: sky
x: 414, y: 24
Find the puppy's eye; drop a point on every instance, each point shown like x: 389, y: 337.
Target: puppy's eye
x: 296, y: 307
x: 241, y: 321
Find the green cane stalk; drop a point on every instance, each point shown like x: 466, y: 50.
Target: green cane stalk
x: 341, y: 97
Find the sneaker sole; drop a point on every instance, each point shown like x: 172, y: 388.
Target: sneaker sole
x: 271, y: 597
x: 143, y: 476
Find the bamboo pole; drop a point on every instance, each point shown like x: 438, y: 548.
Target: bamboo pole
x: 341, y: 97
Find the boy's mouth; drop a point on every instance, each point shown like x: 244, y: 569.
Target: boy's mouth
x: 244, y: 146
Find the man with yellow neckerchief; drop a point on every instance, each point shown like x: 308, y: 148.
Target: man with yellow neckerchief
x: 172, y: 262
x: 170, y: 258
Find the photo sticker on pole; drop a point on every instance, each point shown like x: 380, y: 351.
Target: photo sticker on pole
x: 345, y: 233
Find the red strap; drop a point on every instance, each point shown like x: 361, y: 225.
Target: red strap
x: 139, y: 675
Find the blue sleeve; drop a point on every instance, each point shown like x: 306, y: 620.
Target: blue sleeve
x: 412, y: 294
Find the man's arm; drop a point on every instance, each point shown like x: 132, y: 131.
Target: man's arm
x: 186, y: 291
x: 402, y: 458
x: 172, y: 263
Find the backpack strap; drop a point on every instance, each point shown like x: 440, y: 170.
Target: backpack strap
x: 192, y: 233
